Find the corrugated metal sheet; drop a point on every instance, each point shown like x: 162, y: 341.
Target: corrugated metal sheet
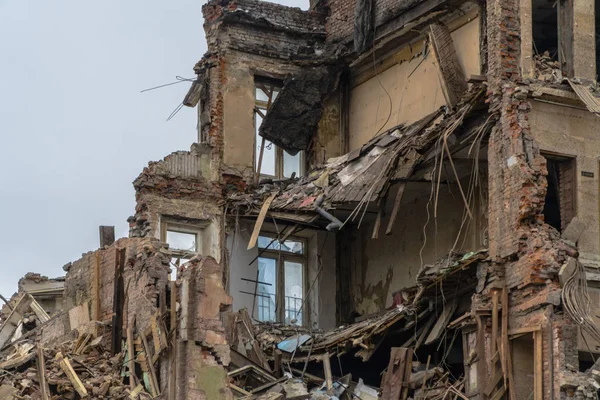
x: 585, y: 94
x: 185, y: 165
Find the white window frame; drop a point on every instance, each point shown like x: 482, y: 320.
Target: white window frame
x: 280, y: 257
x: 196, y: 228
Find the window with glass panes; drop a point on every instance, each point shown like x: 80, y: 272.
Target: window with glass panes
x: 281, y: 275
x: 270, y: 160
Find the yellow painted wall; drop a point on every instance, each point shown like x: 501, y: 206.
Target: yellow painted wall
x: 411, y: 80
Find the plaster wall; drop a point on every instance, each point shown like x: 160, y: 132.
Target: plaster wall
x: 574, y: 132
x: 387, y: 264
x: 238, y: 105
x: 411, y: 79
x: 321, y: 298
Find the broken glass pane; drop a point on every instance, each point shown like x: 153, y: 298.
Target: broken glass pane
x: 261, y: 95
x: 289, y: 246
x: 182, y: 241
x: 294, y: 291
x: 268, y: 160
x: 291, y: 164
x: 266, y: 289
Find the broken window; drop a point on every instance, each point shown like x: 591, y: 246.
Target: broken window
x: 184, y: 240
x: 559, y: 205
x: 281, y: 272
x: 270, y: 160
x: 545, y: 28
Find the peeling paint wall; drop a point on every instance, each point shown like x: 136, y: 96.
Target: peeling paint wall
x: 411, y: 78
x: 387, y: 264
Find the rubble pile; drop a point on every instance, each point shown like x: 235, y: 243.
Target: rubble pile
x: 69, y: 370
x: 547, y: 69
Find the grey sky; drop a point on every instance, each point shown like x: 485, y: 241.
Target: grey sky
x: 75, y: 129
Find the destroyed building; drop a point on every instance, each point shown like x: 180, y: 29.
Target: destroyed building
x: 386, y: 200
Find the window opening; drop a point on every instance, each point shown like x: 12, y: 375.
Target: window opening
x: 184, y: 242
x: 270, y: 160
x: 559, y: 204
x: 281, y: 274
x: 545, y: 28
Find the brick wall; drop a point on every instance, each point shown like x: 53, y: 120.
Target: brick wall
x: 145, y: 279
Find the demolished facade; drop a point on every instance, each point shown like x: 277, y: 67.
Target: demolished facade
x: 386, y: 200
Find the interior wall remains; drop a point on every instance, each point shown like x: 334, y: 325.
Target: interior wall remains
x: 405, y: 86
x: 379, y: 267
x: 321, y: 300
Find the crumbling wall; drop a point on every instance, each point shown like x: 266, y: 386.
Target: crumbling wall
x: 572, y: 132
x: 145, y: 279
x: 245, y: 39
x: 527, y: 252
x: 202, y: 347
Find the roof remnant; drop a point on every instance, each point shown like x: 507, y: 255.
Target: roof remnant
x: 294, y: 115
x: 363, y: 175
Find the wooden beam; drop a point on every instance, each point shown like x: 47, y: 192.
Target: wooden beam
x: 9, y: 327
x: 39, y: 311
x: 41, y: 367
x: 394, y: 376
x: 71, y: 375
x: 327, y: 371
x: 539, y: 365
x: 508, y: 380
x: 131, y: 357
x: 397, y: 201
x: 96, y: 288
x: 494, y: 320
x: 260, y: 220
x: 151, y: 371
x: 452, y: 76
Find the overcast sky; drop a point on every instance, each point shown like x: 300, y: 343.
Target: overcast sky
x: 75, y: 129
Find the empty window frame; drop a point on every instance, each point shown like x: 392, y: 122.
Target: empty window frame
x: 559, y: 204
x: 527, y: 363
x: 270, y: 160
x: 545, y: 28
x: 281, y: 276
x: 184, y: 240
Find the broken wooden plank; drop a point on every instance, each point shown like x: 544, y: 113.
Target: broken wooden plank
x: 327, y: 372
x: 407, y: 372
x: 130, y: 358
x: 136, y: 391
x: 193, y: 95
x: 494, y: 320
x: 71, y: 375
x: 39, y: 311
x: 153, y: 379
x: 508, y: 380
x: 442, y: 322
x: 41, y: 368
x: 14, y: 318
x: 452, y: 76
x: 260, y: 220
x: 395, y: 374
x: 397, y: 201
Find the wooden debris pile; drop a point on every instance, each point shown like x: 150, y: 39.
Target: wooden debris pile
x: 70, y: 370
x: 85, y: 367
